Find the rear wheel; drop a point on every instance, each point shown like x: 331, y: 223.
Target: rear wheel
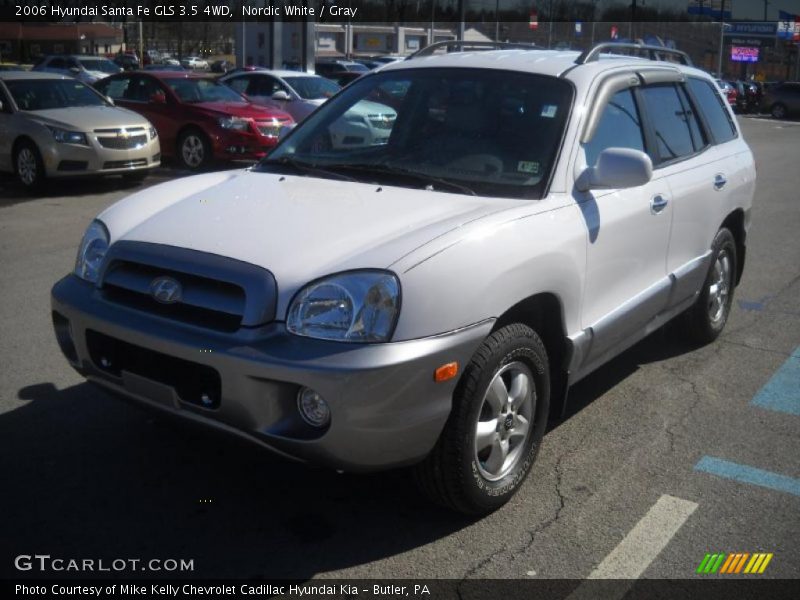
x: 496, y: 425
x: 28, y: 165
x: 778, y: 111
x: 194, y: 150
x: 706, y: 319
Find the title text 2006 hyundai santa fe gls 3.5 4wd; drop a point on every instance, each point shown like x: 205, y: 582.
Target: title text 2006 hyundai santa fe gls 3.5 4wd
x: 427, y: 299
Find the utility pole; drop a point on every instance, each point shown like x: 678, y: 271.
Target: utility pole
x: 766, y: 2
x: 497, y: 21
x: 633, y: 18
x: 141, y: 44
x: 550, y: 25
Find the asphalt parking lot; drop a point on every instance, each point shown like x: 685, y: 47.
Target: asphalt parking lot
x: 717, y: 428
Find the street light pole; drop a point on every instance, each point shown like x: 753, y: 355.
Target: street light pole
x: 721, y: 39
x: 550, y: 25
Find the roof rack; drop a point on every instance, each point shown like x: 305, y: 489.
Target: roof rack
x: 653, y: 52
x: 464, y: 46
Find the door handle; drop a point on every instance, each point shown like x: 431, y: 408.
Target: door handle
x: 658, y: 204
x: 719, y: 181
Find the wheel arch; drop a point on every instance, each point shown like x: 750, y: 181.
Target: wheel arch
x: 15, y: 146
x: 544, y: 313
x: 735, y: 223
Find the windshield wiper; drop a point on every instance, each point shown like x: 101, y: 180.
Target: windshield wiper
x: 304, y: 167
x: 388, y: 170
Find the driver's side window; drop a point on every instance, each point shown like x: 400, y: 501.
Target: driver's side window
x: 620, y: 127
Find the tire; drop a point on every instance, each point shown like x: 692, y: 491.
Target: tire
x: 28, y: 165
x: 472, y: 474
x: 706, y: 319
x: 194, y: 150
x: 778, y: 111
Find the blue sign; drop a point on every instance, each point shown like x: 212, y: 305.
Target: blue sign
x: 752, y: 29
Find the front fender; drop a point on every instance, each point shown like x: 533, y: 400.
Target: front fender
x: 490, y: 268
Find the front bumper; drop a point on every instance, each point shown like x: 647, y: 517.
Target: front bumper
x: 386, y: 409
x: 241, y: 145
x: 65, y: 160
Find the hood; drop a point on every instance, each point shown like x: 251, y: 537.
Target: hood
x: 367, y: 107
x: 243, y: 109
x: 300, y: 228
x: 89, y: 118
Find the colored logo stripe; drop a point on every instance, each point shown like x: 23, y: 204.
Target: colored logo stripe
x: 711, y: 563
x: 733, y: 563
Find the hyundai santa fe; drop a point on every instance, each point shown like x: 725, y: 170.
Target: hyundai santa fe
x: 427, y: 301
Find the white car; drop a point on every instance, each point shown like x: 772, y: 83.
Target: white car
x: 194, y: 63
x: 367, y: 123
x: 87, y: 69
x: 427, y: 301
x: 295, y: 92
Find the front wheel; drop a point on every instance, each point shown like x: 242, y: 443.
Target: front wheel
x: 28, y: 165
x: 497, y: 422
x: 194, y: 150
x: 706, y: 319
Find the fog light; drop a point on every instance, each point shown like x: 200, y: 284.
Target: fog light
x: 313, y: 408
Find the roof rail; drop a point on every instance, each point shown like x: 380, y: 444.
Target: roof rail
x: 463, y: 46
x: 653, y: 52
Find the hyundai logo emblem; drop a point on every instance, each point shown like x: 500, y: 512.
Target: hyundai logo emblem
x: 166, y: 290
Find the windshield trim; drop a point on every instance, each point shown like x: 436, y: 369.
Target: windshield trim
x: 526, y: 191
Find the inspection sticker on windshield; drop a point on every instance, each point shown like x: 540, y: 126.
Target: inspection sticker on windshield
x: 549, y: 110
x: 528, y: 166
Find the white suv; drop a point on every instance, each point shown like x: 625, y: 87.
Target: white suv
x: 427, y: 301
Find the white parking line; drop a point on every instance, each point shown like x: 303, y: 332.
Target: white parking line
x: 637, y: 550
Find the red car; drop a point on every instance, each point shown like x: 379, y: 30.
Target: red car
x: 729, y: 91
x: 197, y: 118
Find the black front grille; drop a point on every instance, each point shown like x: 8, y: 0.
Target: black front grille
x: 205, y: 302
x: 194, y: 383
x: 73, y: 165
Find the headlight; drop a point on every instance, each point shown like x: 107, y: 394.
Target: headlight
x: 64, y: 136
x: 234, y: 123
x: 92, y: 251
x: 153, y: 133
x: 361, y: 306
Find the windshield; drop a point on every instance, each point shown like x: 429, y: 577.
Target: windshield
x: 488, y: 132
x: 312, y: 88
x: 99, y: 64
x: 193, y: 91
x: 44, y: 94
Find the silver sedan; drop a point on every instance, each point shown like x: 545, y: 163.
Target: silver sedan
x: 56, y: 126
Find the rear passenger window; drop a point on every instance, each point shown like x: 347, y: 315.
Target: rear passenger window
x: 717, y: 117
x: 115, y: 88
x: 619, y: 127
x: 671, y: 122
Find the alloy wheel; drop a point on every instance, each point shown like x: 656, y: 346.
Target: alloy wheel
x: 505, y: 421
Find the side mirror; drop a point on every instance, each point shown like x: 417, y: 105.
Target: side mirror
x: 158, y: 98
x: 285, y: 129
x: 616, y: 168
x: 74, y: 70
x: 281, y: 95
